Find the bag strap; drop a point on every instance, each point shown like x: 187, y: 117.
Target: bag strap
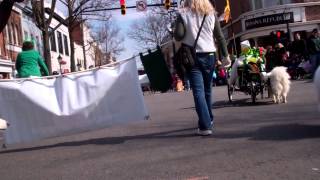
x: 195, y: 42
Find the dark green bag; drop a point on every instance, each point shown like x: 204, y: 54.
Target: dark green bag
x: 157, y: 70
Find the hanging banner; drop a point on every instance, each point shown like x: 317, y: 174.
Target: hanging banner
x: 44, y: 108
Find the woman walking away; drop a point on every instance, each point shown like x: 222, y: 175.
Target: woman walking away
x: 29, y: 62
x: 192, y: 16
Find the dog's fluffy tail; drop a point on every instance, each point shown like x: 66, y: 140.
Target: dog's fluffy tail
x: 277, y: 72
x: 280, y: 73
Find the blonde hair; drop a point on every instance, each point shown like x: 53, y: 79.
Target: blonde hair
x: 203, y: 7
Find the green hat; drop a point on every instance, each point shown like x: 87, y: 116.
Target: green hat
x: 29, y: 40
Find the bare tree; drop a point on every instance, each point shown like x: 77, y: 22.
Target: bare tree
x: 78, y: 12
x: 150, y: 32
x: 43, y: 24
x: 109, y: 36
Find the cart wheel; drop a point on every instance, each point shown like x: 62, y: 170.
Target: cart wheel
x: 230, y: 92
x: 253, y: 92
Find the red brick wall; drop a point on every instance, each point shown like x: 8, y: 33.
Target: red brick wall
x: 77, y: 34
x: 15, y: 20
x: 312, y: 13
x: 309, y: 0
x: 240, y: 7
x: 2, y: 46
x: 237, y: 28
x: 237, y: 7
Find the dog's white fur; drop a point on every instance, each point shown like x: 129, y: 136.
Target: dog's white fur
x: 317, y: 85
x: 3, y: 124
x: 280, y: 84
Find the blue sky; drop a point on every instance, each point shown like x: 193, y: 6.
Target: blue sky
x: 124, y: 22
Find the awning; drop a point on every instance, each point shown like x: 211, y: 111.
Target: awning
x: 6, y: 66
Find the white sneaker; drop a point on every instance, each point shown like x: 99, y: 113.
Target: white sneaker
x: 204, y: 132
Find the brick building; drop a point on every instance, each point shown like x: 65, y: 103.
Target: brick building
x: 10, y: 44
x: 85, y: 46
x: 255, y: 20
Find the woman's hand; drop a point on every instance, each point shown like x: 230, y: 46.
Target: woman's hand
x: 226, y: 62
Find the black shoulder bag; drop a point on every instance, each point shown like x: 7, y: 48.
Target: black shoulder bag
x: 184, y: 58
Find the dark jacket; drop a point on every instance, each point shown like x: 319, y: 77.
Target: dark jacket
x: 298, y: 47
x: 313, y: 45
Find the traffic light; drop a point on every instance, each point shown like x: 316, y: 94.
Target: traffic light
x: 123, y: 6
x: 167, y: 4
x: 278, y: 34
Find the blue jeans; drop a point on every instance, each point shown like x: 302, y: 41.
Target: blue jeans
x: 201, y: 82
x: 186, y: 82
x: 315, y: 61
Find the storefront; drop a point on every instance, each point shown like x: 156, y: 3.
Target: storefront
x: 262, y: 19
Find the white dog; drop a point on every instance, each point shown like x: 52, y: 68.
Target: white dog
x: 3, y: 124
x: 317, y: 84
x: 280, y: 84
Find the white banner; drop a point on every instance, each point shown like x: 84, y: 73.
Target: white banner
x: 43, y: 108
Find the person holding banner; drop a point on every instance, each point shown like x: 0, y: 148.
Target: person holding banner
x: 194, y: 14
x: 29, y: 62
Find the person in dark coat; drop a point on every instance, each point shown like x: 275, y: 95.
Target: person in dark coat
x: 314, y: 49
x: 298, y: 47
x: 270, y: 58
x: 281, y: 55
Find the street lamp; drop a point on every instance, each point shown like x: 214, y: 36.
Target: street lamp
x: 60, y: 62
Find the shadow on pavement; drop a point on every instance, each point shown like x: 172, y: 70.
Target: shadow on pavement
x: 240, y: 103
x: 285, y: 132
x: 181, y: 133
x: 236, y: 103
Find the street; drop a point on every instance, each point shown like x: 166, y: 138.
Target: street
x: 261, y: 141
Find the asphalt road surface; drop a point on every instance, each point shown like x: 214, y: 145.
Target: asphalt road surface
x: 261, y: 141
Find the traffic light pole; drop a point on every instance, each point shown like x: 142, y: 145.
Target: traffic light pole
x: 174, y: 4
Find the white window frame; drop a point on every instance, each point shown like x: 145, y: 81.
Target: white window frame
x: 13, y: 33
x: 16, y: 34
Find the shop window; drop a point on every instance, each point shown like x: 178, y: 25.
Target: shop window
x: 26, y: 36
x: 268, y: 3
x: 66, y: 47
x: 9, y: 34
x: 53, y: 41
x: 32, y: 37
x: 286, y: 1
x: 38, y: 43
x: 18, y: 35
x: 256, y: 4
x: 14, y: 35
x: 60, y: 45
